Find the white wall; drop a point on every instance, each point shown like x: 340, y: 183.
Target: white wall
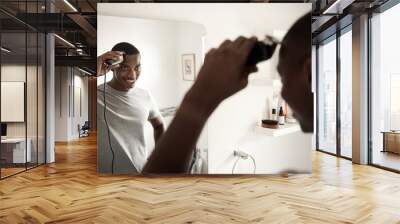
x: 190, y: 40
x: 66, y: 122
x: 233, y: 121
x: 79, y: 117
x: 61, y: 104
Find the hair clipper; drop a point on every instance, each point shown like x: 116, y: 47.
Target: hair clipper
x: 262, y: 51
x: 119, y: 60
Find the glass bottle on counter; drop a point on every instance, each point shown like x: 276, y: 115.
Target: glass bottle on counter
x: 273, y: 115
x: 281, y: 117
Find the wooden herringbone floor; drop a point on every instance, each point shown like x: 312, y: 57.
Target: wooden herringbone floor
x: 70, y: 191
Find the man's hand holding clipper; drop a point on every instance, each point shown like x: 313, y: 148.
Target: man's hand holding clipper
x: 102, y: 66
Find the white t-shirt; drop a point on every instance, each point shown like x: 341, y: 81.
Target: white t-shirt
x: 127, y: 114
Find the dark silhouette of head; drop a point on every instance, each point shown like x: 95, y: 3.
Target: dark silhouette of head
x: 294, y: 68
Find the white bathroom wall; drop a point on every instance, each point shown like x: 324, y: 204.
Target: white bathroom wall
x: 232, y: 123
x: 189, y: 41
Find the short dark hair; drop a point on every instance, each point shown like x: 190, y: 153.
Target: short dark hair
x: 127, y: 48
x: 300, y: 35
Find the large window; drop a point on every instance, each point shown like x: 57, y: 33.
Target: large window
x: 327, y: 96
x: 345, y: 60
x: 385, y: 89
x: 334, y: 95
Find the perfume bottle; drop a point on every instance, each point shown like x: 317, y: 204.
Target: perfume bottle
x: 273, y: 115
x: 281, y: 117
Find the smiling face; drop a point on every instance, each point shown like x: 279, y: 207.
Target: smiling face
x: 128, y: 72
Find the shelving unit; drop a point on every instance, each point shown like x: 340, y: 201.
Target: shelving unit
x: 282, y: 130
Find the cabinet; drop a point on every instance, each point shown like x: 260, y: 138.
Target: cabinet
x: 391, y: 142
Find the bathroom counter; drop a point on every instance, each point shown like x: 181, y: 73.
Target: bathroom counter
x: 282, y: 130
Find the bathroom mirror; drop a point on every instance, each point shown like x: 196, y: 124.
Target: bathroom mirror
x: 172, y: 40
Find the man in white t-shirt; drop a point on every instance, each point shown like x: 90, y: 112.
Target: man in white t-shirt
x: 121, y: 126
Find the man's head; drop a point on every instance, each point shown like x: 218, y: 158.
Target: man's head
x: 294, y: 68
x: 128, y: 72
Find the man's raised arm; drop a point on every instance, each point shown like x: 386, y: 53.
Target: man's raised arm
x: 223, y: 74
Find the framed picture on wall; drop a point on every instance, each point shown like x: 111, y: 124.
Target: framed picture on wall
x: 188, y: 67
